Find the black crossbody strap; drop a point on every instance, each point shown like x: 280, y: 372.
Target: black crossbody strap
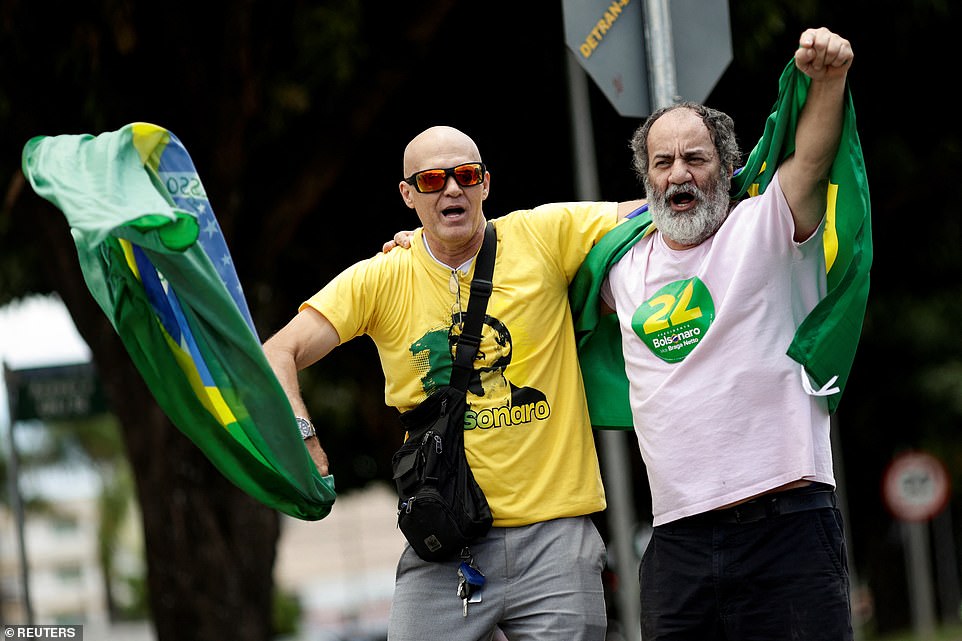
x: 481, y: 286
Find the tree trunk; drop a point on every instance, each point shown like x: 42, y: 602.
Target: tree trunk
x: 210, y: 547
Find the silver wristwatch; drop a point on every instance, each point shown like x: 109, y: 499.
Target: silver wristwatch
x: 306, y: 427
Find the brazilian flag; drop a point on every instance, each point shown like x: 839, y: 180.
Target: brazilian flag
x: 154, y: 258
x: 825, y: 343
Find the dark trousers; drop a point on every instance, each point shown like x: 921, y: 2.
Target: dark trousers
x: 777, y: 577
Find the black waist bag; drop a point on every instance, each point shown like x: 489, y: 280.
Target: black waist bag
x: 441, y: 508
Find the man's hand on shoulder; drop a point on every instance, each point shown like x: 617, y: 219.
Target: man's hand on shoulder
x: 401, y: 239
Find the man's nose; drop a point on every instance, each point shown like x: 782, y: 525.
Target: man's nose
x: 680, y: 173
x: 451, y: 184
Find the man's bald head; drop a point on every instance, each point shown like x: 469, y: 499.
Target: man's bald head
x: 439, y: 146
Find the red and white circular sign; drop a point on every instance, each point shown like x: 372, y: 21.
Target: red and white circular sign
x: 915, y: 486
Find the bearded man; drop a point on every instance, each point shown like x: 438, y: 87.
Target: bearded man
x: 748, y: 542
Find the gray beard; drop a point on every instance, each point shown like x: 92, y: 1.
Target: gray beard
x: 696, y: 225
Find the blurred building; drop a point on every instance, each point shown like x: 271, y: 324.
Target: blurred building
x: 66, y: 581
x: 342, y: 567
x: 61, y: 551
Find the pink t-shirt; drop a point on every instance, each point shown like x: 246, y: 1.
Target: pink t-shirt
x: 719, y: 408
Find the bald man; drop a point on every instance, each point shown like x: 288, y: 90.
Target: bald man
x: 528, y: 440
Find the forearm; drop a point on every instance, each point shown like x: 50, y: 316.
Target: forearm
x: 284, y: 365
x: 819, y: 128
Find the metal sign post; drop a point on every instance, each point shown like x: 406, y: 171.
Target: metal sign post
x: 915, y: 487
x: 13, y: 482
x: 614, y: 452
x: 661, y: 54
x: 62, y: 392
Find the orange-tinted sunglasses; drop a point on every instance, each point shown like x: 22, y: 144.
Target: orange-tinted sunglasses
x: 431, y: 180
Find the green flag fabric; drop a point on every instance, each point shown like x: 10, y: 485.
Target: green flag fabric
x: 155, y: 260
x: 825, y: 343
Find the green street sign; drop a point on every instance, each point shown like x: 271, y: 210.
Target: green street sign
x: 56, y: 393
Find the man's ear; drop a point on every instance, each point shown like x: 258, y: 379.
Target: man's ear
x: 406, y: 194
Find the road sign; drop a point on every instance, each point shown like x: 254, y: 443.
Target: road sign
x: 703, y: 45
x: 60, y: 392
x: 915, y: 486
x: 608, y: 39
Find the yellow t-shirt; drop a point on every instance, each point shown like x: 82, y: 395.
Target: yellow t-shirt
x: 527, y: 434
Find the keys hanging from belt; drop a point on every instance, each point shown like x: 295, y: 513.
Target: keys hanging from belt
x: 470, y: 580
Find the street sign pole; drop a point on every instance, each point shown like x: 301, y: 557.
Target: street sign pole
x: 62, y: 392
x: 915, y: 536
x: 661, y: 54
x: 915, y: 487
x: 13, y: 480
x: 614, y: 450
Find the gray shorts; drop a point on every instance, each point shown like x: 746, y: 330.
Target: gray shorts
x: 543, y: 582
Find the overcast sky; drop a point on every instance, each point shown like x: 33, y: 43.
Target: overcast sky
x: 38, y: 331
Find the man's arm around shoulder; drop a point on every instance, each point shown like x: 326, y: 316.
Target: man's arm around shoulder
x: 628, y: 206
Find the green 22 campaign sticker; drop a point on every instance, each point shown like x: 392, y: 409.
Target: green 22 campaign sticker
x: 673, y: 321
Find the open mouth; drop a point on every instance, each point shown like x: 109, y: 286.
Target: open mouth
x: 452, y: 211
x: 683, y: 197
